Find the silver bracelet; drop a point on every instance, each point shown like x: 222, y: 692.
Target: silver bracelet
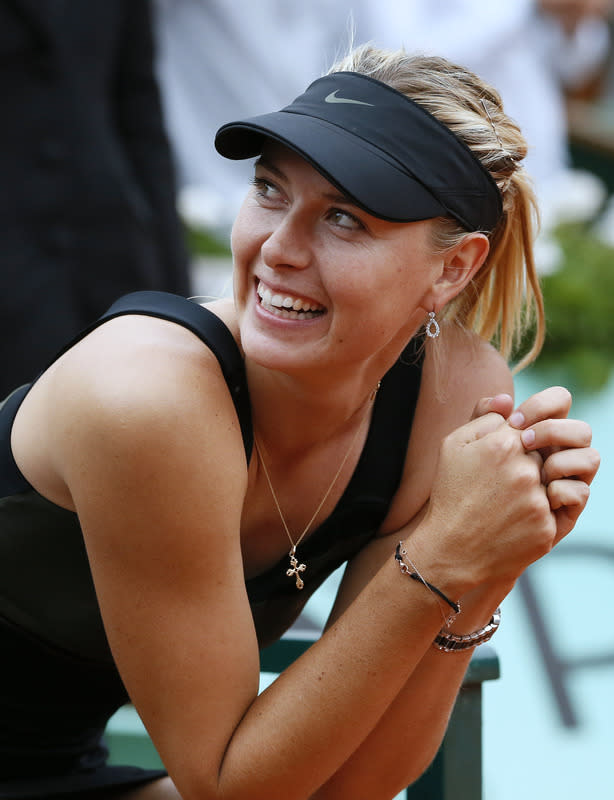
x: 455, y: 642
x: 448, y: 617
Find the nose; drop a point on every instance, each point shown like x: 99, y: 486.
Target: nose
x: 289, y: 243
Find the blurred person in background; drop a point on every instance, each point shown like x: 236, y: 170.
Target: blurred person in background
x: 88, y: 203
x: 217, y: 59
x: 534, y: 52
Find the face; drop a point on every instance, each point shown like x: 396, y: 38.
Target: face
x: 319, y: 283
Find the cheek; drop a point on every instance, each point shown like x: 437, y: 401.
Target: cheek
x: 250, y: 230
x: 375, y: 282
x: 240, y: 271
x: 244, y: 245
x: 237, y: 234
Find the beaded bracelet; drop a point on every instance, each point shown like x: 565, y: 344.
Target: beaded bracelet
x: 400, y: 554
x: 455, y: 642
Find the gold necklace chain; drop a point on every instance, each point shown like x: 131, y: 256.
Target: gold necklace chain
x: 296, y: 568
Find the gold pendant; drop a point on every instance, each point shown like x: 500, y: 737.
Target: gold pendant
x: 296, y: 568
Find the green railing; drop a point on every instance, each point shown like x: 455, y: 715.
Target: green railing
x: 455, y: 774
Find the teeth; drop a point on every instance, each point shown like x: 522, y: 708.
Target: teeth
x: 292, y: 304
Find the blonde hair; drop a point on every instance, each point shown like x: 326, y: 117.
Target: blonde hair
x: 504, y: 299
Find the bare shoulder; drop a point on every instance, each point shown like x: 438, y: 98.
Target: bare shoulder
x: 141, y: 382
x: 463, y: 370
x: 456, y: 375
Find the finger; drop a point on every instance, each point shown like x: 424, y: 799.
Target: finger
x: 580, y: 464
x: 553, y: 402
x: 568, y: 493
x: 567, y: 498
x: 535, y: 455
x: 557, y: 434
x: 478, y: 428
x: 499, y: 404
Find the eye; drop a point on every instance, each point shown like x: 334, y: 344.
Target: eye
x: 343, y: 219
x: 265, y: 189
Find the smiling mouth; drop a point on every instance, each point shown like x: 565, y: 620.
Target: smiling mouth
x: 288, y: 306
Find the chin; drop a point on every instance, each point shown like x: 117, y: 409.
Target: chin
x: 277, y: 352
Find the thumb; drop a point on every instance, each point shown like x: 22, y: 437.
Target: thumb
x: 478, y: 428
x: 502, y: 404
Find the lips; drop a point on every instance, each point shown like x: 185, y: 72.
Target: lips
x: 288, y: 306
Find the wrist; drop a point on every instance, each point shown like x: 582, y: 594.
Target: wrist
x: 477, y: 623
x: 450, y: 639
x: 458, y: 643
x: 439, y: 567
x: 449, y: 608
x: 478, y: 607
x: 447, y: 557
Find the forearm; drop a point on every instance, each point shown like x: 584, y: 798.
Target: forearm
x: 302, y: 730
x: 407, y: 737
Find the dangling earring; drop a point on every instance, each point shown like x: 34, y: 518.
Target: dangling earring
x: 432, y: 329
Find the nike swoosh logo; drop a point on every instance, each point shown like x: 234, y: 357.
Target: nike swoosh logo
x: 332, y: 98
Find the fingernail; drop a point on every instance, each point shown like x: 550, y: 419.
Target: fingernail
x: 528, y: 437
x: 517, y: 419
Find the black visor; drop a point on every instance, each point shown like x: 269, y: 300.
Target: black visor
x: 386, y: 153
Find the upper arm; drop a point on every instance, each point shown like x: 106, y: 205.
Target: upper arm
x: 453, y: 381
x: 150, y: 449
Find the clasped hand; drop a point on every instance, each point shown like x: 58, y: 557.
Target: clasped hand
x: 510, y: 484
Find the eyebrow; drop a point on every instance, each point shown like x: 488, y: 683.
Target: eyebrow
x: 335, y: 197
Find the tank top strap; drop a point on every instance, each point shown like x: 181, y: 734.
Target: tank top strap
x: 210, y: 330
x: 203, y: 323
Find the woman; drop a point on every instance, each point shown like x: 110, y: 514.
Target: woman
x: 366, y: 218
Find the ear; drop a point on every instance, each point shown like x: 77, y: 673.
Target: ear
x: 460, y: 264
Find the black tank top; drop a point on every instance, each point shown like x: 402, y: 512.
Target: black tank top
x: 54, y: 649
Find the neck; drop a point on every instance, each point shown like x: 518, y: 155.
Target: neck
x: 290, y: 414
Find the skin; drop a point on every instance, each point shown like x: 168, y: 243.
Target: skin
x: 140, y: 394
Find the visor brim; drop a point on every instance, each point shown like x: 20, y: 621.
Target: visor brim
x: 363, y: 172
